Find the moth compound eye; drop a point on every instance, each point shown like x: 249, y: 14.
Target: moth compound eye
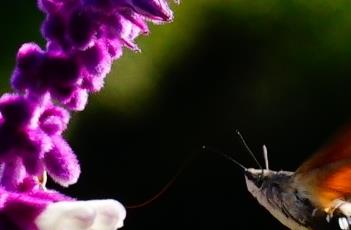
x: 256, y: 178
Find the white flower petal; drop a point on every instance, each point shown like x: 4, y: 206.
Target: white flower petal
x: 82, y: 215
x: 110, y: 214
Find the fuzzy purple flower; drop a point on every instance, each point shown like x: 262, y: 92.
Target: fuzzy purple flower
x: 83, y: 38
x: 31, y: 141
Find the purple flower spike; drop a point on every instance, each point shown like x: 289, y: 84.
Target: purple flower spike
x: 18, y: 136
x: 61, y: 163
x: 83, y: 38
x: 37, y: 148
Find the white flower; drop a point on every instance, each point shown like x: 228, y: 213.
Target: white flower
x: 82, y: 215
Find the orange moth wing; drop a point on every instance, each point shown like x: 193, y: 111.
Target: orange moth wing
x: 326, y: 176
x: 338, y: 149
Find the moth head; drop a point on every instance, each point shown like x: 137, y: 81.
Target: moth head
x: 255, y: 179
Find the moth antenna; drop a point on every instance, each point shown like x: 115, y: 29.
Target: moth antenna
x: 225, y: 156
x: 248, y: 148
x: 265, y: 156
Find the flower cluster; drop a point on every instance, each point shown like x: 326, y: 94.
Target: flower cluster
x: 83, y: 38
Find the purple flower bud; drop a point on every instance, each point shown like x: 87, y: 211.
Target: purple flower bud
x: 29, y: 60
x: 53, y: 121
x: 54, y: 29
x: 36, y: 144
x: 78, y: 100
x: 138, y: 21
x: 15, y: 110
x: 127, y: 32
x: 28, y: 146
x: 95, y: 63
x: 21, y: 141
x: 156, y: 10
x: 61, y: 163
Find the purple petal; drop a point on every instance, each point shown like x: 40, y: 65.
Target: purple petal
x: 54, y: 29
x: 154, y: 9
x: 29, y: 61
x: 20, y: 210
x: 13, y: 173
x: 23, y: 211
x: 96, y: 63
x: 54, y: 120
x: 61, y: 163
x: 54, y: 6
x: 16, y: 110
x: 49, y: 6
x: 127, y: 32
x: 32, y: 150
x: 115, y: 48
x: 78, y: 100
x: 39, y: 142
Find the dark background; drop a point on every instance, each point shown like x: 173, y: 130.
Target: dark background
x: 277, y: 70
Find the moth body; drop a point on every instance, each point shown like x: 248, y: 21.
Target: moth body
x: 317, y: 196
x: 274, y: 191
x: 279, y: 193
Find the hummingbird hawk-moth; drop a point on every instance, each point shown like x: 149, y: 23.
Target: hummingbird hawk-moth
x: 317, y: 196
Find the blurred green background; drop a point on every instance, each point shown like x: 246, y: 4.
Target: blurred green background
x: 277, y: 70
